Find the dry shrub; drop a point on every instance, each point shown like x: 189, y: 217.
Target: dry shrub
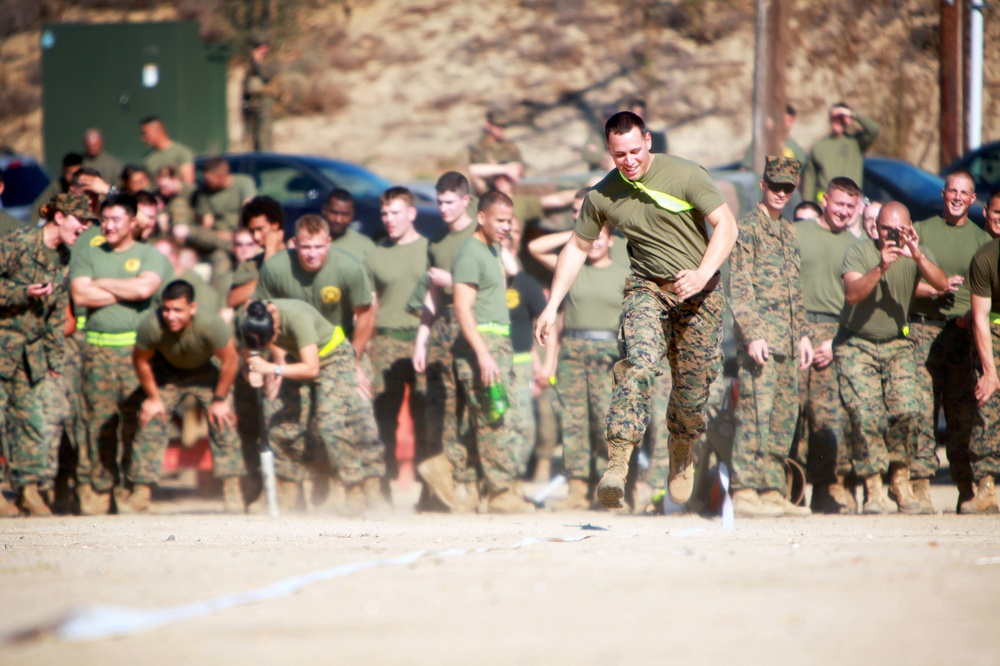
x: 305, y: 94
x: 349, y: 56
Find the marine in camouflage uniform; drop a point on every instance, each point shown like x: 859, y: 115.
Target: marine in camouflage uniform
x: 34, y: 300
x: 672, y: 307
x: 984, y: 284
x: 875, y: 360
x: 942, y: 342
x: 101, y: 277
x: 525, y: 301
x: 765, y: 296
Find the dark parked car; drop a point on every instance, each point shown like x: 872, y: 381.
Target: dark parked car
x: 300, y: 183
x: 24, y: 179
x: 894, y: 180
x: 984, y: 165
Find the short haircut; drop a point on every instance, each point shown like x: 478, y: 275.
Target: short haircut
x: 150, y: 119
x: 807, y: 205
x: 790, y: 110
x: 167, y: 171
x: 622, y: 123
x: 123, y: 200
x: 257, y: 327
x: 311, y: 224
x: 995, y: 194
x: 493, y: 198
x: 145, y: 198
x: 340, y: 194
x: 962, y: 173
x: 178, y: 289
x: 72, y: 159
x: 263, y: 205
x: 452, y: 181
x: 130, y: 169
x: 83, y: 171
x: 844, y: 184
x: 397, y: 192
x: 214, y: 164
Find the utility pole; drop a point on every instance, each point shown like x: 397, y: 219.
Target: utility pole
x: 952, y: 82
x: 769, y: 80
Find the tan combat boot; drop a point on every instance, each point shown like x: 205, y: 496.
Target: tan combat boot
x: 922, y: 492
x: 747, y: 504
x: 508, y: 501
x: 831, y: 498
x: 31, y: 501
x: 680, y: 479
x: 93, y: 502
x: 139, y: 499
x: 966, y: 492
x: 985, y: 500
x: 576, y: 500
x: 290, y: 497
x: 611, y: 489
x: 374, y: 498
x: 439, y: 473
x: 875, y: 501
x: 467, y: 497
x: 8, y: 510
x: 901, y: 491
x: 354, y: 501
x: 232, y: 496
x: 774, y: 498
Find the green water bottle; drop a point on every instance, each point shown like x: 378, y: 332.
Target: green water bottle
x: 495, y: 402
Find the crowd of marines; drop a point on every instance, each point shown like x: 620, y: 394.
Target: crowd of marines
x: 129, y: 308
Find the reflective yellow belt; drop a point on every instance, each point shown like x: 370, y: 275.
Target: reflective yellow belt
x: 126, y: 339
x: 81, y: 322
x: 338, y: 337
x: 523, y: 357
x: 994, y: 318
x: 494, y: 329
x: 667, y: 202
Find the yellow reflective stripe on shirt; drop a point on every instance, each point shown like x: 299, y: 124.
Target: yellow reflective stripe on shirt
x: 81, y: 322
x: 338, y: 337
x: 667, y: 202
x: 994, y: 318
x: 494, y: 329
x: 523, y: 357
x: 126, y: 339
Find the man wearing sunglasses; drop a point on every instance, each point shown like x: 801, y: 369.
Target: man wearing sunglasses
x: 772, y: 344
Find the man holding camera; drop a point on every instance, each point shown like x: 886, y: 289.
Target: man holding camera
x: 875, y: 359
x: 841, y: 153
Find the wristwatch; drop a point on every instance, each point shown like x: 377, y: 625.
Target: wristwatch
x: 278, y: 369
x: 218, y: 398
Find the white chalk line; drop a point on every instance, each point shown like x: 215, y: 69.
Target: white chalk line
x: 96, y: 622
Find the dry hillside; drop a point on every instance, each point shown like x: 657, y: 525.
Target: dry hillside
x: 402, y: 86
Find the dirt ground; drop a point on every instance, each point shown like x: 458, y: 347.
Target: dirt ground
x: 673, y: 589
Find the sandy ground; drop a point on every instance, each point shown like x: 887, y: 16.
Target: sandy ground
x: 674, y: 589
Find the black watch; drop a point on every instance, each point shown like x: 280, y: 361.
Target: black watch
x: 218, y: 398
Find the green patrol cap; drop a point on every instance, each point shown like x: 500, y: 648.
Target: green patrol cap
x: 780, y: 169
x: 76, y: 205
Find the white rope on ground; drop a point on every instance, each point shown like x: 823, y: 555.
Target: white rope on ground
x: 90, y: 623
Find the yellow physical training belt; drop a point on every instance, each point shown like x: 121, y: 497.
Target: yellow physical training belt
x: 994, y: 318
x: 667, y: 202
x: 338, y: 337
x: 126, y: 339
x: 523, y: 357
x: 494, y: 329
x: 81, y: 322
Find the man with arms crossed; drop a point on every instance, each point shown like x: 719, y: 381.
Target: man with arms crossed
x: 673, y: 305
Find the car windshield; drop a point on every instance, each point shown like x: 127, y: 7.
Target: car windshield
x: 359, y: 182
x: 908, y: 178
x: 22, y: 184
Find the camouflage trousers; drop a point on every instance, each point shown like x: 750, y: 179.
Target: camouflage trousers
x: 446, y: 407
x: 985, y: 444
x: 655, y: 324
x: 29, y: 411
x: 152, y: 439
x: 584, y: 384
x: 520, y: 418
x: 326, y: 413
x: 876, y: 387
x: 496, y: 454
x: 946, y: 378
x: 766, y: 415
x: 73, y: 426
x: 112, y: 399
x: 825, y: 443
x: 392, y: 366
x: 657, y: 440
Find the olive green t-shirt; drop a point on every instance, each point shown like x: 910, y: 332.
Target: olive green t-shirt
x: 109, y: 166
x: 87, y: 241
x: 300, y: 325
x: 822, y: 254
x: 192, y: 347
x: 528, y: 208
x: 206, y: 297
x: 479, y: 264
x: 103, y: 262
x: 176, y: 156
x: 247, y: 271
x: 883, y: 314
x: 661, y: 243
x: 225, y: 204
x: 954, y: 248
x: 441, y: 250
x: 984, y: 273
x: 594, y: 302
x: 355, y: 243
x: 179, y: 208
x: 395, y: 269
x: 338, y: 286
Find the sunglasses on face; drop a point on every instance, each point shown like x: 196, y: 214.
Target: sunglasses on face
x: 787, y: 188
